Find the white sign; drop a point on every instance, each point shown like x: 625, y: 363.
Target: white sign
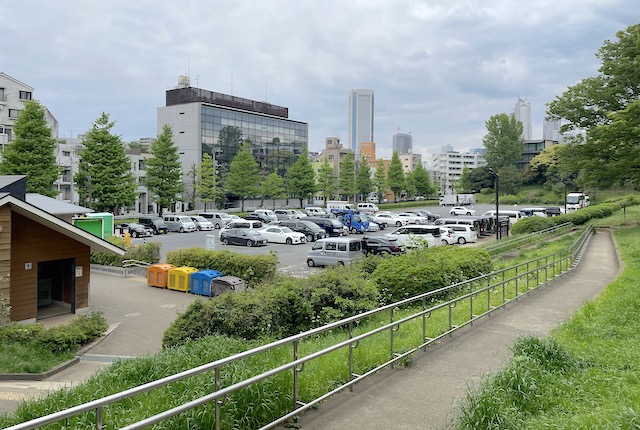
x: 211, y: 242
x: 78, y: 271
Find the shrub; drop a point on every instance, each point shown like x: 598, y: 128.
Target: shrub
x: 148, y: 252
x: 426, y: 270
x: 71, y: 336
x: 534, y: 223
x: 509, y: 199
x: 251, y: 268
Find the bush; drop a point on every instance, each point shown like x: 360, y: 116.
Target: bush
x: 426, y: 270
x: 148, y: 252
x: 251, y: 268
x: 509, y: 199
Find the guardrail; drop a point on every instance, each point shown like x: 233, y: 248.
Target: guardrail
x: 473, y: 299
x: 505, y: 245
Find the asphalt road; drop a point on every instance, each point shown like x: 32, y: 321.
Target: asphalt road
x: 292, y: 257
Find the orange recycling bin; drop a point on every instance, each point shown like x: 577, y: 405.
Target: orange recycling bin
x: 158, y: 274
x: 179, y: 278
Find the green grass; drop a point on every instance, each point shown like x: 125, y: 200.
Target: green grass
x: 601, y: 387
x: 32, y: 357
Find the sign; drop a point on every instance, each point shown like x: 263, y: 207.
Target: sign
x: 210, y: 242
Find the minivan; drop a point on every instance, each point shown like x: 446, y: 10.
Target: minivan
x: 218, y: 219
x: 155, y: 223
x: 411, y: 235
x: 514, y: 216
x: 332, y: 226
x: 242, y: 223
x: 310, y: 229
x: 267, y: 214
x: 464, y: 233
x: 367, y: 208
x: 179, y: 223
x: 336, y: 251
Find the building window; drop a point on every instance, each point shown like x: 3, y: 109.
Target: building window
x: 13, y: 113
x: 141, y: 165
x: 3, y: 97
x: 25, y: 95
x: 66, y: 153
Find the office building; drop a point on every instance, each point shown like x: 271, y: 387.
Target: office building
x: 446, y: 167
x: 532, y: 148
x: 402, y: 143
x: 522, y: 112
x: 360, y: 119
x: 206, y: 122
x: 551, y: 130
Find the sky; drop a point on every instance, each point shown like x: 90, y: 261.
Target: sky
x: 439, y: 68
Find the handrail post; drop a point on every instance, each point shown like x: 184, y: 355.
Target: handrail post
x: 424, y: 322
x: 218, y: 400
x: 392, y: 337
x: 351, y: 374
x: 295, y: 376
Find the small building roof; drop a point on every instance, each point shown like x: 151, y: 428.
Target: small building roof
x: 55, y: 207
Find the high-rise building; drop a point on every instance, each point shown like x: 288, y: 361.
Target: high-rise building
x: 522, y: 112
x: 402, y: 143
x: 551, y: 130
x: 360, y: 119
x: 447, y: 167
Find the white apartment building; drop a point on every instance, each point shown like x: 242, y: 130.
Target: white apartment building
x: 410, y: 161
x: 446, y: 167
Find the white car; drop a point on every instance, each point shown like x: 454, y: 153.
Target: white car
x: 413, y: 218
x: 461, y: 210
x: 412, y: 236
x: 382, y: 222
x: 447, y: 235
x: 277, y: 234
x: 392, y: 219
x: 202, y: 224
x: 373, y: 226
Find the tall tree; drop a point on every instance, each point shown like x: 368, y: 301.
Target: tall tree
x: 395, y: 176
x: 380, y: 180
x: 244, y: 175
x: 207, y: 183
x: 104, y: 175
x: 347, y: 176
x: 504, y: 141
x: 190, y: 193
x: 273, y: 188
x: 421, y: 180
x: 301, y: 178
x: 164, y: 173
x: 364, y: 184
x: 31, y: 152
x: 326, y: 181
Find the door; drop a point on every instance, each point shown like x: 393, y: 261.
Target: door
x: 56, y: 287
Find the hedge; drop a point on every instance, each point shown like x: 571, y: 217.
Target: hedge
x: 251, y: 268
x: 283, y: 307
x: 148, y: 252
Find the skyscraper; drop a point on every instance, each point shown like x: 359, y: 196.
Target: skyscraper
x: 551, y: 130
x: 360, y: 119
x: 402, y: 143
x: 522, y: 112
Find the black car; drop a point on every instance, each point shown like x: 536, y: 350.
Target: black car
x: 155, y: 223
x: 135, y: 229
x: 242, y: 236
x: 553, y: 211
x: 333, y: 226
x: 381, y: 246
x: 310, y: 229
x: 430, y: 216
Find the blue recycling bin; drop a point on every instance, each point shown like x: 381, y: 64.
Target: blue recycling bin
x: 201, y: 281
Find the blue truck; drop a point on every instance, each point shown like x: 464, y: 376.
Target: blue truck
x: 355, y: 222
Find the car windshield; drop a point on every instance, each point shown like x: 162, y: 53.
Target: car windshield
x: 336, y: 223
x: 185, y: 219
x: 310, y: 224
x: 199, y: 218
x: 225, y: 216
x: 286, y: 230
x: 252, y: 232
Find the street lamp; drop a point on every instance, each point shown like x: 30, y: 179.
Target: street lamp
x: 497, y: 186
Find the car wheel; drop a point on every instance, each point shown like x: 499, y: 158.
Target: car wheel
x: 289, y: 241
x: 444, y: 242
x: 398, y: 223
x: 136, y: 234
x: 309, y: 238
x: 181, y: 230
x: 310, y: 262
x: 353, y: 230
x: 225, y: 241
x: 462, y: 241
x: 341, y: 263
x: 249, y: 243
x: 468, y: 213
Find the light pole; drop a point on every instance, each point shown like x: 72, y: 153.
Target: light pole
x: 497, y: 187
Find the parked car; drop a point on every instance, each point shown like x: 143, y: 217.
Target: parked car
x: 461, y: 210
x: 179, y: 223
x: 425, y: 213
x: 136, y: 229
x: 335, y: 251
x: 278, y: 234
x: 256, y: 216
x: 464, y: 233
x: 202, y: 224
x: 447, y: 235
x: 155, y: 223
x: 268, y: 214
x: 554, y: 210
x: 284, y: 214
x: 367, y: 208
x: 314, y: 210
x: 392, y: 219
x: 381, y: 245
x: 412, y: 235
x: 242, y: 236
x: 242, y: 223
x: 413, y: 218
x: 299, y: 214
x: 311, y: 230
x: 333, y: 226
x: 218, y: 219
x: 382, y: 222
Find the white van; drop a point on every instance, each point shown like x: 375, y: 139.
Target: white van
x: 335, y: 251
x: 314, y: 210
x: 514, y: 216
x: 218, y: 219
x: 411, y: 236
x: 179, y: 223
x: 243, y: 223
x: 267, y: 214
x: 463, y: 233
x: 367, y: 208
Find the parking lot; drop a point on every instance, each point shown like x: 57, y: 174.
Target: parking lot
x: 292, y: 257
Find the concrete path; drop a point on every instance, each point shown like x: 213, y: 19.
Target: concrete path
x: 418, y: 397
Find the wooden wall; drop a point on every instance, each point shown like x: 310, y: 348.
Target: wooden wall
x: 5, y: 253
x: 32, y: 243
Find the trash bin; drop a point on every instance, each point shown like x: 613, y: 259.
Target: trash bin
x: 179, y: 278
x: 226, y: 283
x: 201, y: 281
x: 157, y: 274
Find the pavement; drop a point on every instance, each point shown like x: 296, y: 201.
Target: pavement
x: 421, y: 396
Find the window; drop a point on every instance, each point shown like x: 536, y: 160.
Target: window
x: 25, y: 95
x: 66, y: 153
x: 141, y: 165
x: 2, y: 95
x: 330, y: 246
x: 342, y: 247
x: 354, y: 246
x: 13, y: 113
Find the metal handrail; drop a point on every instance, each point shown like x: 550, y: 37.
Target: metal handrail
x: 502, y: 245
x: 525, y: 277
x: 135, y: 263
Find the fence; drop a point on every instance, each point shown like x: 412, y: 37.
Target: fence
x: 406, y: 327
x: 505, y: 245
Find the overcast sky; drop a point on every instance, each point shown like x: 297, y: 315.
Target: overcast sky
x: 439, y: 68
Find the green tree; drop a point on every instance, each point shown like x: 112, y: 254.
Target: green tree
x: 347, y: 177
x: 164, y: 173
x: 503, y: 141
x: 364, y: 184
x: 207, y: 183
x: 104, y: 175
x: 410, y: 185
x: 326, y: 180
x: 479, y: 178
x: 422, y: 182
x: 510, y: 180
x: 273, y: 188
x: 31, y: 153
x: 395, y: 176
x: 244, y: 175
x: 301, y: 178
x: 380, y: 180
